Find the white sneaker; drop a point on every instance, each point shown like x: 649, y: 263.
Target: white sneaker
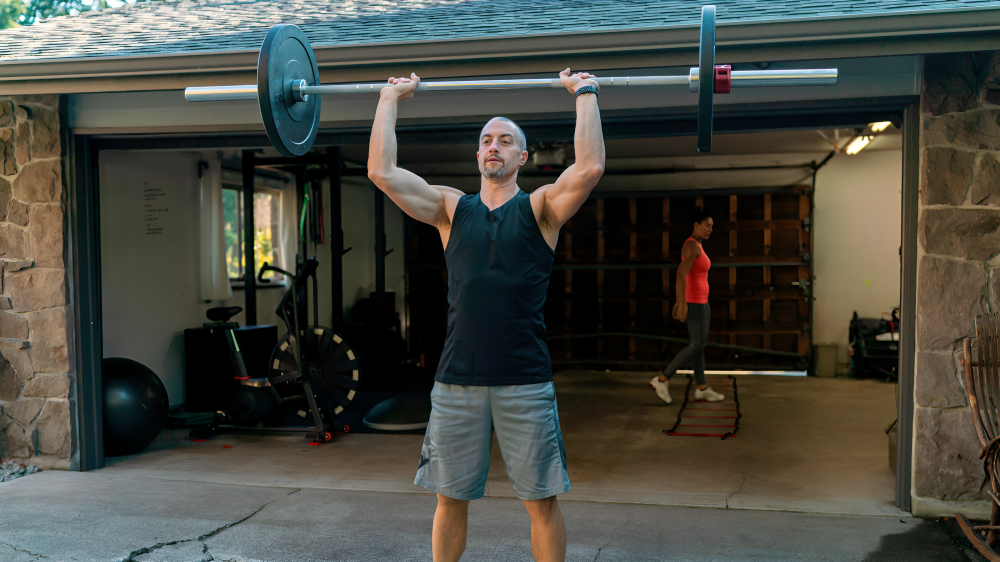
x: 708, y: 395
x: 662, y: 389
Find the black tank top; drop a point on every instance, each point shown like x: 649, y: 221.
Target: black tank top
x: 499, y: 266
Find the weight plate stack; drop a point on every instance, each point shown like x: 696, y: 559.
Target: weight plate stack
x: 329, y: 364
x: 706, y: 78
x: 287, y: 58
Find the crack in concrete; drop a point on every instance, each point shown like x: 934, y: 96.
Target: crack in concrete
x: 146, y: 550
x: 22, y: 550
x: 612, y: 539
x: 204, y: 550
x: 744, y: 474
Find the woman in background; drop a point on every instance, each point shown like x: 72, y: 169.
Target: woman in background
x: 692, y: 307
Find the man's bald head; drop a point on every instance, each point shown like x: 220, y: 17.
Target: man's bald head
x: 522, y: 143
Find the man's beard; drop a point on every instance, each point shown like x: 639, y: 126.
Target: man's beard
x: 494, y: 173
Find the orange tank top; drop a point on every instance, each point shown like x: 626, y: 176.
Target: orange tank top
x: 696, y: 281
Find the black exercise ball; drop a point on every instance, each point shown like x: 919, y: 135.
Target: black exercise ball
x: 135, y: 406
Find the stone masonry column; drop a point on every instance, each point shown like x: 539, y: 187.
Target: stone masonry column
x: 36, y: 351
x: 958, y: 272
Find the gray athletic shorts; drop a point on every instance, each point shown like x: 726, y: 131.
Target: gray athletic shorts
x: 455, y: 458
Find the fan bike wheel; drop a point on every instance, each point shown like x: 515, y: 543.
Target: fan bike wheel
x: 329, y: 364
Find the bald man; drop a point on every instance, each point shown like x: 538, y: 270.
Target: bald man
x: 495, y: 372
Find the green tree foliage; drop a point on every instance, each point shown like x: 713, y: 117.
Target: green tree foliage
x: 11, y: 12
x: 27, y: 12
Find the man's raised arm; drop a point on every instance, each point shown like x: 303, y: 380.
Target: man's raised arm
x: 563, y: 198
x: 410, y: 192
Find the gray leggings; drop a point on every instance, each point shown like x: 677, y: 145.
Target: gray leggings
x: 698, y: 318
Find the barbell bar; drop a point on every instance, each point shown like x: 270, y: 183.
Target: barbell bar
x: 288, y: 89
x: 739, y: 79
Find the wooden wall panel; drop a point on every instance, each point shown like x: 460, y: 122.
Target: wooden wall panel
x: 752, y: 305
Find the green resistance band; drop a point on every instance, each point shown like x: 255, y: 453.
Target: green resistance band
x: 305, y: 210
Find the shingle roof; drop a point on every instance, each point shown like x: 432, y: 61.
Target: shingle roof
x: 184, y: 26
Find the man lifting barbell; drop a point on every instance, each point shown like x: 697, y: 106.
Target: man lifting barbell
x: 495, y: 372
x: 499, y: 246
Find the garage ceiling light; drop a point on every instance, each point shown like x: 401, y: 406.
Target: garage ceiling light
x: 880, y: 126
x: 857, y: 144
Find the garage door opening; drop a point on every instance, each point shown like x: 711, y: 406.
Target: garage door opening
x: 786, y: 277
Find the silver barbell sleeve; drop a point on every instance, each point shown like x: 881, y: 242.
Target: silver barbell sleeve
x: 761, y: 78
x: 740, y: 79
x: 221, y: 93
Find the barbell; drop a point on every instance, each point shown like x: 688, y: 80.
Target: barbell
x: 288, y: 88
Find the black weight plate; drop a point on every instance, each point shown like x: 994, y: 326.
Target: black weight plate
x: 286, y: 56
x: 706, y: 78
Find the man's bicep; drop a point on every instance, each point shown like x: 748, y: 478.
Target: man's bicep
x: 565, y: 197
x: 417, y: 198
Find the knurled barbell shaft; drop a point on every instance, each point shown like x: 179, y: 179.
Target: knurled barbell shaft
x: 740, y: 79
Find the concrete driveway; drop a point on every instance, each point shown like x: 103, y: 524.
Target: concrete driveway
x: 99, y: 516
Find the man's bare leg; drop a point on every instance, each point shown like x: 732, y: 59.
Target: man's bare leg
x: 451, y: 526
x: 548, y: 531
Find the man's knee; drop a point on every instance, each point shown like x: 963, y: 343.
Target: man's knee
x: 445, y: 502
x: 543, y: 508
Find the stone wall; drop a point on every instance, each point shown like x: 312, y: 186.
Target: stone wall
x: 958, y: 270
x: 36, y: 352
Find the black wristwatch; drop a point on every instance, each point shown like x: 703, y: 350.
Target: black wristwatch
x: 587, y: 90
